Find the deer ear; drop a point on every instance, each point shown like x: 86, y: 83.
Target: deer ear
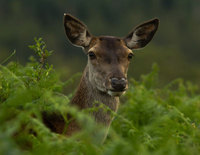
x: 142, y: 34
x: 76, y: 31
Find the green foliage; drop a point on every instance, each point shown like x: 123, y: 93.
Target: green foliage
x: 150, y: 120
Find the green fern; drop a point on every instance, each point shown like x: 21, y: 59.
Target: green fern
x: 151, y: 120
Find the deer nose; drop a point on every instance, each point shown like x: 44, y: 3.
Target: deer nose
x: 118, y: 84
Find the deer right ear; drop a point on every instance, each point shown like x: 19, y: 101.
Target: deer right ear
x: 76, y: 31
x: 142, y: 34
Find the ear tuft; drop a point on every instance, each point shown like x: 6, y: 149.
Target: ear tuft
x: 142, y: 34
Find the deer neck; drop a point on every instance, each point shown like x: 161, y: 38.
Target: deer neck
x: 87, y: 96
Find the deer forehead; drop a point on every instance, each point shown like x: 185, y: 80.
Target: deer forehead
x: 108, y: 45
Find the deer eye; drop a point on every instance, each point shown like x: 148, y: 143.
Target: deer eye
x: 130, y: 56
x: 92, y: 55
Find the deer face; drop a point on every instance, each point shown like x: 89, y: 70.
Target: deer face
x: 108, y: 61
x: 109, y: 57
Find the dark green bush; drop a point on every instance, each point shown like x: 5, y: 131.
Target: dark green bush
x: 151, y: 120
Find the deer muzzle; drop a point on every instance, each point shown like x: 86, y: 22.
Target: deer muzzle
x: 118, y: 85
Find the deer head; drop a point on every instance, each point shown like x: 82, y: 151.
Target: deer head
x: 108, y: 56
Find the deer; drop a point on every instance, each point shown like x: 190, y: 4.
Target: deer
x: 105, y: 76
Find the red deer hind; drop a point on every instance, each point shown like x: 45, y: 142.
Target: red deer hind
x: 105, y: 76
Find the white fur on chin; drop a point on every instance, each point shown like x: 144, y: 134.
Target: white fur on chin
x: 112, y: 93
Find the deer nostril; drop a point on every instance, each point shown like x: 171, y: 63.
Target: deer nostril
x: 118, y: 84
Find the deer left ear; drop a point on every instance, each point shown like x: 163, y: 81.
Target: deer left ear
x: 142, y: 34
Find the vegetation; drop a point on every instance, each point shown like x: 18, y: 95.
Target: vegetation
x: 151, y: 120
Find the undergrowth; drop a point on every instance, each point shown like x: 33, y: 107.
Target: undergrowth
x: 150, y: 120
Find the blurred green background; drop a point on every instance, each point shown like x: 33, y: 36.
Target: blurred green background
x: 175, y: 47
